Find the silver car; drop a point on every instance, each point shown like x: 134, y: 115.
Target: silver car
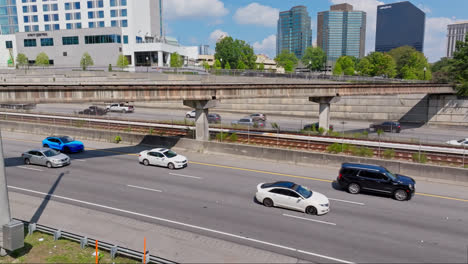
x: 45, y: 157
x: 248, y: 121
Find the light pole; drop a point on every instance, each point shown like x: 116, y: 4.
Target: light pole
x: 147, y: 64
x: 425, y: 69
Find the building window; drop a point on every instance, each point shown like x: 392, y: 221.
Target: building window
x: 123, y: 12
x: 78, y: 25
x: 114, y: 23
x: 99, y: 39
x: 100, y: 3
x: 45, y: 8
x: 30, y: 42
x: 125, y: 39
x: 26, y: 19
x: 47, y: 27
x: 56, y: 26
x: 35, y: 19
x: 46, y: 18
x: 9, y: 44
x: 101, y: 24
x: 68, y: 16
x: 101, y: 14
x: 90, y: 14
x: 113, y: 13
x: 54, y: 7
x: 47, y: 42
x: 124, y: 23
x: 113, y: 2
x: 25, y: 9
x: 90, y: 4
x: 77, y: 5
x: 70, y: 40
x: 77, y: 16
x: 56, y: 17
x: 69, y: 26
x: 67, y: 6
x: 35, y: 28
x: 91, y: 24
x: 34, y: 8
x: 123, y: 2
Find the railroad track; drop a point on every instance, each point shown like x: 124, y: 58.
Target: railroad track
x: 244, y: 136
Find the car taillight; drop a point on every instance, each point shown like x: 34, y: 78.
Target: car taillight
x: 398, y: 126
x: 139, y: 155
x: 339, y: 176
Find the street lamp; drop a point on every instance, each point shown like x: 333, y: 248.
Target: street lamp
x: 425, y: 69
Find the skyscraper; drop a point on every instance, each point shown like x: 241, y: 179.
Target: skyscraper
x: 341, y: 32
x: 294, y: 31
x: 456, y: 32
x: 399, y: 24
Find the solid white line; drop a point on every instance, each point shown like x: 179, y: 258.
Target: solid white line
x: 26, y: 168
x: 308, y: 219
x: 143, y: 188
x: 187, y: 176
x: 187, y: 225
x: 344, y: 201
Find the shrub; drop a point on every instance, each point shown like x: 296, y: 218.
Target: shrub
x: 233, y: 137
x: 151, y: 131
x: 335, y: 134
x: 255, y: 125
x: 380, y: 132
x: 128, y: 129
x: 365, y: 133
x: 321, y: 130
x: 117, y: 139
x: 337, y: 148
x: 420, y: 158
x: 389, y: 153
x: 275, y: 125
x: 222, y: 136
x: 110, y: 67
x: 362, y: 152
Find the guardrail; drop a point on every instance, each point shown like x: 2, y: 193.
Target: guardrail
x: 267, y: 134
x: 85, y: 241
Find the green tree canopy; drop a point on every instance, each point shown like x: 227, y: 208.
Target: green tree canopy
x: 344, y: 65
x: 314, y: 58
x: 241, y: 65
x: 460, y: 66
x: 206, y: 65
x: 233, y: 51
x: 217, y: 64
x: 442, y: 71
x: 122, y: 61
x: 42, y: 59
x: 22, y: 60
x: 227, y: 66
x: 410, y: 63
x: 287, y: 60
x: 86, y: 61
x: 176, y: 60
x: 377, y: 64
x: 261, y: 67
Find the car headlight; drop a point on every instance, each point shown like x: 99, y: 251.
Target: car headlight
x: 411, y: 186
x: 324, y: 205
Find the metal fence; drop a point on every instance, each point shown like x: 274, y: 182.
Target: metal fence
x: 85, y: 241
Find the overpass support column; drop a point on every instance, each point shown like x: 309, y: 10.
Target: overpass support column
x: 160, y: 59
x: 201, y: 117
x: 324, y: 109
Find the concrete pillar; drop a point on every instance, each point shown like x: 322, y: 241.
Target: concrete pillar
x: 168, y: 61
x: 5, y: 215
x: 324, y: 109
x: 202, y: 130
x: 160, y: 59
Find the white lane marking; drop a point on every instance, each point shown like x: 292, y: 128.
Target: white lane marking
x: 344, y: 201
x: 187, y: 225
x: 187, y: 176
x: 143, y: 188
x: 82, y: 160
x: 26, y: 168
x: 308, y: 219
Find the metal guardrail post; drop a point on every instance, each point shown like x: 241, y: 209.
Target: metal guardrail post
x: 31, y: 228
x: 57, y: 234
x: 144, y: 256
x: 83, y: 242
x: 113, y: 251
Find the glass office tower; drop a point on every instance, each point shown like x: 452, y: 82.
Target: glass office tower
x: 341, y: 32
x: 294, y: 31
x: 399, y: 24
x: 8, y: 17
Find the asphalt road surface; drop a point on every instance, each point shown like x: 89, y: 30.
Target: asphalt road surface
x: 410, y: 133
x: 214, y: 196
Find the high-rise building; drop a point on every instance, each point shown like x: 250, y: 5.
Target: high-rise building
x: 65, y: 29
x: 456, y: 32
x: 203, y: 50
x: 294, y: 31
x: 341, y: 31
x: 399, y: 24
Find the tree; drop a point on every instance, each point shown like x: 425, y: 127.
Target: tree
x: 22, y: 60
x: 241, y: 65
x: 460, y: 66
x: 287, y: 60
x: 232, y: 51
x: 344, y: 65
x: 42, y: 59
x: 314, y: 58
x: 217, y: 65
x: 176, y: 60
x: 227, y: 66
x: 206, y: 65
x: 377, y: 64
x: 122, y: 61
x: 442, y: 71
x: 410, y: 63
x: 86, y: 61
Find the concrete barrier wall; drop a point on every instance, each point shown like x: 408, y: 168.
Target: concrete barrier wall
x: 432, y: 172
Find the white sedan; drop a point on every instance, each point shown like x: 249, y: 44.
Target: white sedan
x: 292, y: 196
x: 191, y: 114
x: 461, y: 142
x: 162, y: 157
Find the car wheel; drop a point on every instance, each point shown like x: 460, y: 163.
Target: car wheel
x: 46, y: 146
x: 311, y: 210
x: 171, y: 166
x: 400, y: 195
x: 27, y: 161
x: 268, y: 202
x: 187, y: 116
x: 145, y: 162
x: 49, y: 165
x: 354, y: 188
x: 123, y: 111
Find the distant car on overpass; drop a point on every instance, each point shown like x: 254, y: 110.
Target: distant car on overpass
x: 460, y: 142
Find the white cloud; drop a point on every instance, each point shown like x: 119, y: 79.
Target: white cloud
x: 215, y: 35
x: 435, y: 37
x: 257, y: 14
x: 176, y: 9
x: 370, y: 7
x: 267, y: 46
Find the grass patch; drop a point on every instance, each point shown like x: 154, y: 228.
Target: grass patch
x: 389, y: 153
x: 420, y: 158
x: 60, y: 251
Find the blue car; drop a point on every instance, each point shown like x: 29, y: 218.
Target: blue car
x: 64, y: 144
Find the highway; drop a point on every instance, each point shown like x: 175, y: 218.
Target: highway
x: 214, y: 196
x: 410, y: 133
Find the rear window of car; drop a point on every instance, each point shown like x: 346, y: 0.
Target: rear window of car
x: 245, y: 120
x: 348, y: 171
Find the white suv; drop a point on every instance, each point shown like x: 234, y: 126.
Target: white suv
x: 162, y: 157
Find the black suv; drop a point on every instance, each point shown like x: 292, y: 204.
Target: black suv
x: 372, y: 178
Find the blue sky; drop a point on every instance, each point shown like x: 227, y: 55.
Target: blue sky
x: 195, y: 22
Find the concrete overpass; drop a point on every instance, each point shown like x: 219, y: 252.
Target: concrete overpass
x: 201, y: 97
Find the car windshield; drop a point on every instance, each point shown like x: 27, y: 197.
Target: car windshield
x: 244, y: 120
x: 50, y: 153
x: 304, y: 191
x: 391, y: 175
x: 67, y: 139
x: 170, y: 154
x: 461, y: 141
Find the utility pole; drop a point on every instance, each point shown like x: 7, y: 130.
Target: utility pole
x: 5, y: 215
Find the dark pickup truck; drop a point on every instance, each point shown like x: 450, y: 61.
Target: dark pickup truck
x: 93, y: 110
x: 388, y: 126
